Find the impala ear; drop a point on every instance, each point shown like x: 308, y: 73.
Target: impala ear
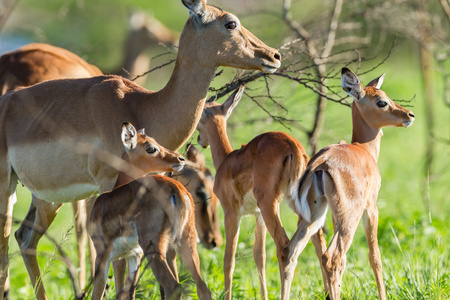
x: 377, y: 82
x: 195, y: 156
x: 351, y: 84
x: 129, y: 136
x: 232, y: 101
x: 197, y: 7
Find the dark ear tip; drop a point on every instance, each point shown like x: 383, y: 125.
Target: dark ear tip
x: 124, y: 124
x: 345, y: 70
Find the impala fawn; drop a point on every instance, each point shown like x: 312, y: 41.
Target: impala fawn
x: 345, y: 178
x: 152, y: 216
x: 198, y: 180
x: 251, y: 181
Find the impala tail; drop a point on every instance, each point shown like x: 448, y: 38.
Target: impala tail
x: 310, y: 197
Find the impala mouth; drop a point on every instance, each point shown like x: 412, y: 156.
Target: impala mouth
x: 408, y: 123
x: 178, y: 167
x: 270, y: 68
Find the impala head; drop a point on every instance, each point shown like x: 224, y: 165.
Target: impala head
x: 146, y: 154
x: 198, y: 180
x: 218, y: 37
x: 374, y: 106
x: 217, y: 114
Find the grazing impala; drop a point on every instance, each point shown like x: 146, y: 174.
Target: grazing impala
x: 64, y: 154
x: 148, y: 216
x: 199, y: 182
x: 345, y: 178
x: 251, y: 181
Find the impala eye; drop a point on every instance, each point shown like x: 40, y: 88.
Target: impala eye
x: 381, y: 103
x: 230, y: 25
x: 151, y: 150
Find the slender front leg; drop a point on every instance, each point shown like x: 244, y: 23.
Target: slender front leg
x: 231, y: 237
x: 79, y: 211
x: 370, y: 219
x: 102, y: 265
x: 39, y: 217
x: 259, y: 253
x: 6, y: 208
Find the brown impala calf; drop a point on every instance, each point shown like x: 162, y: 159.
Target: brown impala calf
x: 143, y: 155
x: 345, y: 177
x: 70, y: 123
x: 152, y: 216
x: 251, y: 181
x: 199, y: 182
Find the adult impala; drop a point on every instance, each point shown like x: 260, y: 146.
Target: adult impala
x: 345, y: 178
x: 71, y: 124
x: 38, y: 62
x: 251, y: 181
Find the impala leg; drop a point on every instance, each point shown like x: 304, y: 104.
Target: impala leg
x: 154, y: 241
x: 259, y: 253
x: 270, y: 213
x: 79, y: 211
x: 320, y: 244
x: 89, y: 203
x: 134, y: 262
x: 189, y: 254
x: 6, y: 209
x: 334, y: 258
x: 172, y: 262
x: 39, y: 217
x: 370, y: 218
x: 102, y: 265
x: 231, y: 237
x: 119, y: 267
x: 296, y: 245
x: 163, y: 274
x: 171, y: 257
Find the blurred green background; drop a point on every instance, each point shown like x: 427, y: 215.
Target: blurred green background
x: 413, y: 200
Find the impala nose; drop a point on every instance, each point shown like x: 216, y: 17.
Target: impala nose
x: 411, y: 114
x: 277, y: 56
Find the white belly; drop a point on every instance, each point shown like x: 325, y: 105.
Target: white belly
x: 249, y: 207
x: 55, y: 173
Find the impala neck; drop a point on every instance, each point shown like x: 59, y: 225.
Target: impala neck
x: 364, y: 134
x: 182, y: 99
x: 220, y: 144
x: 128, y: 172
